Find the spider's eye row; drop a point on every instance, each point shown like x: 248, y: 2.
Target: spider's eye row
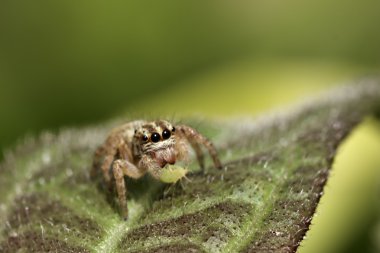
x: 166, y: 134
x: 144, y: 138
x: 155, y: 137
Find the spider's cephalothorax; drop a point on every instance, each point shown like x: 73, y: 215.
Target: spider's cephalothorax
x: 139, y: 147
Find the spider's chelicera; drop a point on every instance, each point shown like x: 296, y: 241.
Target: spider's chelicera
x: 138, y: 147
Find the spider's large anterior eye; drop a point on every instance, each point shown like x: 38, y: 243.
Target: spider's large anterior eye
x: 155, y: 137
x: 166, y: 134
x: 144, y: 138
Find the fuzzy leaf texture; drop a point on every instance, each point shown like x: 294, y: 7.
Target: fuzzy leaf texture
x: 263, y: 200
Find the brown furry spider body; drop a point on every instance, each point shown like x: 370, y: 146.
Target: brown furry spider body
x: 138, y: 147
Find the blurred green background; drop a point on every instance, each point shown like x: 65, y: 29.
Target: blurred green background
x: 70, y: 63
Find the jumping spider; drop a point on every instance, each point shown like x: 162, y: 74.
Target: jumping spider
x: 138, y: 147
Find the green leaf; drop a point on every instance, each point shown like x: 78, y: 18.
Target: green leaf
x: 263, y: 200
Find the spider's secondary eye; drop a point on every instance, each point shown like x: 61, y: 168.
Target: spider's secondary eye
x: 144, y: 138
x: 166, y: 134
x: 155, y: 137
x: 173, y: 129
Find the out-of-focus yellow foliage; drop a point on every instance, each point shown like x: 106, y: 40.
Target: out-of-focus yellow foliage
x: 247, y: 88
x: 346, y: 217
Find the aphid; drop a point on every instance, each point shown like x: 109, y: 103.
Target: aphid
x: 172, y: 173
x: 138, y: 147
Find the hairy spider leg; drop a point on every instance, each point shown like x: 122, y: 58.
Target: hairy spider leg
x: 98, y: 157
x: 196, y: 139
x: 108, y: 152
x: 108, y: 155
x: 199, y: 153
x: 120, y: 169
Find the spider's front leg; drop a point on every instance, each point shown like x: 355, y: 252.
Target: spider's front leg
x: 103, y: 158
x: 196, y: 139
x: 120, y: 169
x: 105, y: 155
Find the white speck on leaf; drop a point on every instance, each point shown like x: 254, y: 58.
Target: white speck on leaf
x: 69, y: 172
x: 46, y: 158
